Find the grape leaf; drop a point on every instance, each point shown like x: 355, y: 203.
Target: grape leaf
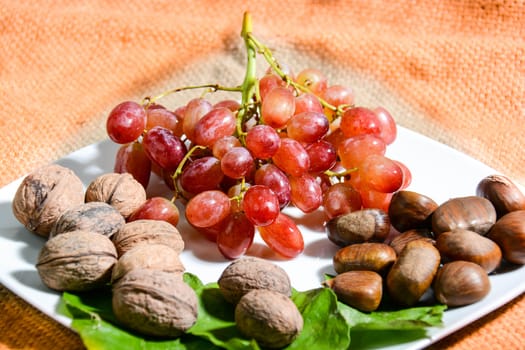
x: 328, y: 323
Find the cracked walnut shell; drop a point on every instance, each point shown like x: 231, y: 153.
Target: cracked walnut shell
x: 44, y: 195
x: 121, y: 191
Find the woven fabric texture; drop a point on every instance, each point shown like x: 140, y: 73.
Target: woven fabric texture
x: 451, y: 70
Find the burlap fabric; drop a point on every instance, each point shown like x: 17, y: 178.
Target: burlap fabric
x: 452, y: 70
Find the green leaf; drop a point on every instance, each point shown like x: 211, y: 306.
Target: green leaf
x: 328, y: 323
x: 95, y: 322
x: 324, y: 326
x: 216, y: 321
x: 404, y: 319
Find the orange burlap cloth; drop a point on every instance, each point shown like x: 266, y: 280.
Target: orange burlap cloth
x: 452, y: 70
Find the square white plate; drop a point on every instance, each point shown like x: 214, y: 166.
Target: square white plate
x: 439, y: 172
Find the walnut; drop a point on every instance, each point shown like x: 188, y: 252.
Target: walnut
x: 76, y: 261
x: 150, y: 257
x: 121, y: 191
x: 147, y: 231
x: 269, y: 317
x: 96, y: 217
x: 248, y: 273
x: 154, y: 303
x: 44, y: 195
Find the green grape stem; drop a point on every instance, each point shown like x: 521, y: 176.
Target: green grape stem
x: 147, y: 101
x: 269, y: 57
x: 178, y: 171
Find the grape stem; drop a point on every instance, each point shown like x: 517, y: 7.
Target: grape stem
x: 147, y: 101
x: 178, y: 171
x: 276, y: 67
x: 250, y: 85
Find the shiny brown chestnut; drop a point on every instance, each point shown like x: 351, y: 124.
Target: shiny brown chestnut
x: 502, y: 193
x: 400, y: 241
x: 509, y: 233
x: 377, y: 257
x: 461, y: 283
x: 366, y: 225
x: 470, y: 246
x: 410, y: 210
x: 362, y: 290
x: 413, y: 272
x: 469, y: 213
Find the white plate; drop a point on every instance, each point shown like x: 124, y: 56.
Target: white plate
x: 438, y: 171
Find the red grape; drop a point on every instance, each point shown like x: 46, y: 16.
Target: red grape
x: 224, y: 144
x: 271, y: 176
x: 340, y: 199
x: 354, y: 150
x: 377, y: 200
x: 381, y: 174
x: 387, y: 125
x: 360, y: 120
x: 262, y: 141
x: 207, y: 208
x: 201, y: 175
x: 161, y: 117
x: 232, y: 105
x: 236, y: 235
x: 338, y: 95
x: 306, y: 193
x: 237, y: 163
x: 217, y: 123
x: 292, y: 158
x: 269, y: 82
x: 323, y: 156
x: 278, y: 107
x: 132, y: 158
x: 261, y: 205
x: 283, y: 236
x: 308, y: 127
x: 164, y: 148
x: 126, y: 122
x: 194, y: 111
x: 157, y: 208
x: 407, y: 175
x: 307, y: 102
x: 313, y: 79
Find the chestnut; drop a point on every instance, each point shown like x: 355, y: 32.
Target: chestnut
x: 413, y: 271
x: 365, y: 225
x: 509, y: 233
x: 470, y: 213
x: 377, y: 257
x: 362, y: 290
x: 410, y: 210
x: 470, y: 246
x: 502, y: 193
x: 400, y: 241
x: 461, y: 283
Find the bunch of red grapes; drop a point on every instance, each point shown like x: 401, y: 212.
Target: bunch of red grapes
x: 297, y: 141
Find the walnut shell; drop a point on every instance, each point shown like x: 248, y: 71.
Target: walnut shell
x: 155, y: 303
x: 76, y: 261
x: 147, y: 231
x: 248, y: 273
x: 44, y: 195
x: 149, y: 257
x: 121, y: 191
x: 269, y: 317
x: 96, y: 217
